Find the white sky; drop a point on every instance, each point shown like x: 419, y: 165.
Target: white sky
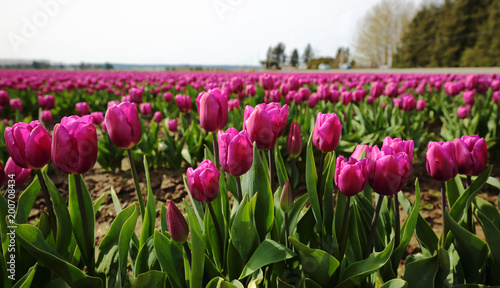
x: 174, y: 31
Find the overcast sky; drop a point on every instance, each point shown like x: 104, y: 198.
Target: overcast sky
x: 236, y: 32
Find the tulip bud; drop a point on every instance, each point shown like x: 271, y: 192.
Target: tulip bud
x: 145, y: 109
x: 471, y: 153
x: 286, y: 199
x: 29, y: 145
x: 266, y: 81
x: 463, y: 112
x: 326, y: 133
x: 47, y: 102
x: 236, y: 85
x: 172, y: 125
x: 496, y: 97
x: 212, y: 109
x: 21, y: 175
x: 294, y: 140
x: 97, y: 117
x: 4, y: 98
x: 421, y: 105
x: 203, y: 181
x: 157, y: 117
x: 16, y: 104
x: 82, y: 108
x: 377, y: 89
x: 293, y: 83
x: 471, y: 81
x: 391, y: 90
x: 46, y: 116
x: 135, y: 95
x: 441, y: 160
x: 346, y: 97
x: 177, y: 225
x: 123, y: 125
x: 351, y: 176
x: 168, y: 97
x: 74, y: 148
x: 250, y: 90
x: 408, y: 102
x: 235, y: 151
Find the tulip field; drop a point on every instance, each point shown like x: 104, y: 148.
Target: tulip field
x: 285, y: 179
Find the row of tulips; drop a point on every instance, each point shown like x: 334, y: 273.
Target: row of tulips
x: 268, y: 236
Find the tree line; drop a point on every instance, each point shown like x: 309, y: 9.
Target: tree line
x: 453, y: 33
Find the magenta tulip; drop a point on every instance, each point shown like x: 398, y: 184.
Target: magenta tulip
x: 496, y: 97
x: 21, y: 175
x: 176, y: 223
x: 250, y: 90
x: 370, y: 152
x: 471, y: 153
x: 123, y: 125
x: 266, y: 81
x: 82, y: 108
x: 4, y: 98
x: 29, y: 145
x: 16, y: 104
x: 351, y: 176
x: 97, y: 117
x: 399, y: 145
x: 236, y: 85
x: 469, y: 97
x: 172, y: 125
x: 346, y: 97
x: 441, y: 161
x: 46, y: 102
x: 157, y: 117
x: 391, y: 90
x: 212, y: 109
x: 74, y: 148
x: 326, y: 133
x: 421, y: 105
x: 203, y: 181
x: 112, y: 103
x: 389, y: 172
x: 136, y: 95
x: 168, y: 97
x: 235, y: 151
x: 145, y: 109
x: 233, y: 104
x: 46, y: 116
x: 377, y: 89
x: 408, y: 102
x: 463, y: 112
x: 184, y: 103
x: 265, y: 123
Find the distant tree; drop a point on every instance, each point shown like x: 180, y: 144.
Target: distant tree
x: 380, y: 31
x: 269, y: 57
x: 41, y: 65
x: 294, y: 59
x: 108, y: 66
x: 278, y: 54
x: 308, y: 54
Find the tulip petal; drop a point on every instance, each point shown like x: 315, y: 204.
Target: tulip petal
x: 38, y: 148
x: 86, y: 139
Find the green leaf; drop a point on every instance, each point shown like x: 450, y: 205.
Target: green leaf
x: 395, y: 283
x: 472, y: 250
x: 311, y: 183
x: 282, y: 284
x: 109, y: 258
x: 197, y: 249
x: 98, y: 202
x: 149, y: 279
x: 87, y: 249
x: 32, y: 240
x: 309, y: 283
x: 328, y: 175
x: 63, y: 238
x: 295, y: 212
x: 146, y: 258
x: 422, y: 272
x: 219, y: 282
x: 170, y: 256
x: 244, y: 235
x: 355, y: 273
x: 26, y: 201
x: 116, y: 201
x: 280, y: 166
x: 163, y: 219
x: 489, y: 210
x: 25, y: 281
x: 492, y: 235
x: 458, y: 210
x: 128, y: 229
x: 256, y: 181
x: 317, y: 264
x: 148, y: 226
x: 454, y: 189
x: 268, y: 252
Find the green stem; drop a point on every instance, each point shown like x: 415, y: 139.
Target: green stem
x: 343, y: 234
x: 287, y: 229
x: 188, y: 252
x: 470, y: 220
x: 373, y: 228
x: 397, y: 228
x: 271, y: 173
x: 443, y: 210
x: 48, y: 202
x: 294, y: 167
x: 136, y: 183
x: 217, y: 231
x: 216, y: 149
x: 238, y: 188
x: 89, y: 243
x: 320, y: 177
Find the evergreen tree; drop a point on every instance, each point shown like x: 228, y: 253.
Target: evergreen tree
x: 308, y: 54
x: 294, y: 60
